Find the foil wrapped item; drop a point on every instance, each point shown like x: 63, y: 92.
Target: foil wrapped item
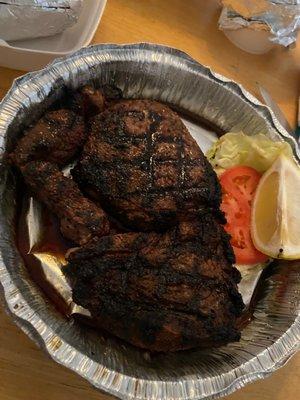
x: 280, y: 17
x: 28, y: 19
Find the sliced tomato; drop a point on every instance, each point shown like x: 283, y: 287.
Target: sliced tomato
x: 236, y: 212
x: 238, y: 189
x: 244, y: 250
x: 241, y: 182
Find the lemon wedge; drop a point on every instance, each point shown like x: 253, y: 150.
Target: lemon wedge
x: 275, y: 220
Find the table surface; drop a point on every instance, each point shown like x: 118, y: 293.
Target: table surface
x: 25, y: 371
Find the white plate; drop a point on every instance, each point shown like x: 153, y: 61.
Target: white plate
x: 29, y: 55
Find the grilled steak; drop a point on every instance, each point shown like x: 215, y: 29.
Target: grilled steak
x: 143, y: 166
x: 57, y: 137
x: 60, y: 134
x: 169, y: 283
x: 162, y: 292
x: 80, y: 219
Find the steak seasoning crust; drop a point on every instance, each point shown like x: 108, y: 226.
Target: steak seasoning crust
x: 161, y: 292
x: 143, y: 165
x: 155, y: 264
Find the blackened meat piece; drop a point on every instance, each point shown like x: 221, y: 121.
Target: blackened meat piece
x: 144, y: 167
x: 93, y: 101
x: 80, y: 219
x: 57, y: 137
x: 161, y: 292
x: 111, y: 93
x: 169, y: 289
x: 89, y: 101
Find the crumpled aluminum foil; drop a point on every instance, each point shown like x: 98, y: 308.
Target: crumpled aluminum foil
x: 28, y: 19
x: 281, y: 17
x: 168, y: 75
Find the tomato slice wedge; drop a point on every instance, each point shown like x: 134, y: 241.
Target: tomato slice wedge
x: 244, y: 250
x: 241, y: 182
x: 238, y: 189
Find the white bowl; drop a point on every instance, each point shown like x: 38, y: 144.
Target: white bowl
x: 33, y: 54
x: 250, y: 40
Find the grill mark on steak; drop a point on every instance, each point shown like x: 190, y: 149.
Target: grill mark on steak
x: 148, y: 192
x: 184, y: 277
x: 133, y: 291
x: 160, y: 291
x: 155, y: 120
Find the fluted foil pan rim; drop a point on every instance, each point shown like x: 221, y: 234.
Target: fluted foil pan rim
x: 27, y: 317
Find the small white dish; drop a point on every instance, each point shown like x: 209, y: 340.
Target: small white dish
x: 29, y: 55
x: 250, y: 40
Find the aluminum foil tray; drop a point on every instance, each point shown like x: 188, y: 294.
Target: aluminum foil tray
x: 273, y: 335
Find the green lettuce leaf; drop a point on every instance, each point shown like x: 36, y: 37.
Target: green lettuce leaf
x: 256, y: 151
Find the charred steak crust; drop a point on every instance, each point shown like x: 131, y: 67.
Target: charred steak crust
x: 171, y: 288
x: 80, y: 219
x: 89, y: 101
x: 57, y: 138
x: 144, y: 167
x: 163, y: 292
